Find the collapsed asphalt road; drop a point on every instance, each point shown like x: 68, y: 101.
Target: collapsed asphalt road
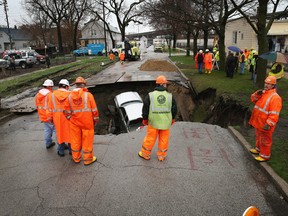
x: 207, y: 172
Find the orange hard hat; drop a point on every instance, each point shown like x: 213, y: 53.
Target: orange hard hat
x: 80, y: 80
x: 251, y: 211
x: 161, y: 80
x: 270, y: 80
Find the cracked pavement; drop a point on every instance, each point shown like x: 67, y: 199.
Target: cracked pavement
x: 206, y: 172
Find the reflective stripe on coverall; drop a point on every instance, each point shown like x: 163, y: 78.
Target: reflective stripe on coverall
x: 41, y: 101
x: 208, y: 61
x: 266, y: 111
x: 84, y: 109
x: 56, y: 103
x: 160, y: 119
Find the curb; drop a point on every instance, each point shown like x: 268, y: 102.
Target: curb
x: 281, y: 185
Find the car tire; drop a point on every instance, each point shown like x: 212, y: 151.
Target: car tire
x: 23, y: 65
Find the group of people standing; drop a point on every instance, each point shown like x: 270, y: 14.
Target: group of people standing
x: 268, y: 103
x: 72, y: 115
x: 204, y: 60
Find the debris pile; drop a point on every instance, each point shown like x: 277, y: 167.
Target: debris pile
x: 158, y: 65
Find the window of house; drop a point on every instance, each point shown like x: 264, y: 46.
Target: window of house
x: 242, y: 36
x: 0, y: 46
x: 93, y: 32
x: 234, y: 35
x: 1, y: 35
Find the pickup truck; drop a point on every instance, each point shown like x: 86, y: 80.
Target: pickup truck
x: 23, y: 59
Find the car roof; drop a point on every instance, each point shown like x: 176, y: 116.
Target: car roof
x: 127, y: 97
x: 133, y: 110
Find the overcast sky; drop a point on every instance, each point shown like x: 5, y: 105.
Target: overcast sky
x: 16, y: 14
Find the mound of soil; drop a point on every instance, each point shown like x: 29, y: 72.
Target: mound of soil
x: 158, y: 65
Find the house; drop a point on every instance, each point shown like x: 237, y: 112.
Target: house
x: 93, y: 32
x: 239, y: 33
x: 19, y: 39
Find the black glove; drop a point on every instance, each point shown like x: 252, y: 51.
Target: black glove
x: 266, y: 127
x: 259, y: 92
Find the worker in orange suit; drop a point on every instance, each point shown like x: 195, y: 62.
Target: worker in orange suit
x: 264, y: 118
x: 208, y: 61
x: 247, y: 54
x: 56, y: 103
x: 82, y: 112
x: 122, y: 57
x: 159, y: 111
x: 41, y: 102
x: 111, y: 56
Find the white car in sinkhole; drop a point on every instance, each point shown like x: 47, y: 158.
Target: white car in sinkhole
x: 129, y: 105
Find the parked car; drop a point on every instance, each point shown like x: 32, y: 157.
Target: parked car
x: 81, y: 51
x: 39, y: 58
x: 129, y: 105
x: 4, y: 63
x: 158, y: 48
x: 22, y: 59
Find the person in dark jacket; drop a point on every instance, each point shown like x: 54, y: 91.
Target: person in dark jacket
x: 159, y: 111
x: 231, y: 64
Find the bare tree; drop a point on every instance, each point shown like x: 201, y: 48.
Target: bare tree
x: 125, y: 13
x: 164, y: 15
x: 74, y: 14
x: 262, y: 27
x: 98, y: 11
x: 39, y: 28
x: 217, y: 13
x: 55, y: 10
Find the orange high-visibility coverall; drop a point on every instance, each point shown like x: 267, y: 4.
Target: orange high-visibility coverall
x: 111, y: 56
x: 56, y: 103
x: 208, y: 61
x: 83, y: 115
x: 266, y: 111
x: 122, y: 57
x: 41, y: 102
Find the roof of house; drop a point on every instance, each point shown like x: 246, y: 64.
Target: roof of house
x: 101, y: 24
x: 16, y: 34
x: 279, y: 27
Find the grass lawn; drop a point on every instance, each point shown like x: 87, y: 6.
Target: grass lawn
x: 240, y: 88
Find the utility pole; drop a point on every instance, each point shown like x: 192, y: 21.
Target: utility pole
x: 6, y: 14
x: 104, y: 23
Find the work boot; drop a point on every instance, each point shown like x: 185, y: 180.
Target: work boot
x: 94, y: 159
x: 260, y: 159
x: 65, y: 146
x: 140, y: 154
x: 254, y: 151
x: 76, y: 162
x: 61, y: 148
x: 69, y: 149
x: 161, y: 158
x: 50, y: 145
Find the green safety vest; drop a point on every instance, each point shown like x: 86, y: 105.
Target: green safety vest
x: 160, y: 116
x: 279, y: 74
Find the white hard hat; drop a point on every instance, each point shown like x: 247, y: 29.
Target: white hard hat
x: 207, y: 50
x: 64, y: 82
x: 48, y: 82
x: 200, y: 51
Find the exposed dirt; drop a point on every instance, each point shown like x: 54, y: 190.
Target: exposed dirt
x: 19, y: 71
x: 158, y: 65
